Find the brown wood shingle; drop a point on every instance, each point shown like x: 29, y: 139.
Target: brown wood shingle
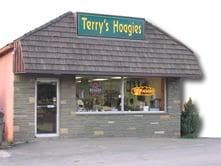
x: 56, y: 48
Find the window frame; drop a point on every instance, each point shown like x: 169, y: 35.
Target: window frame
x: 122, y: 111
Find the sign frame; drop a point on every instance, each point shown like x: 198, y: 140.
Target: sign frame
x: 124, y: 36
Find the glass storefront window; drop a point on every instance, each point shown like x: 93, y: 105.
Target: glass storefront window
x: 103, y: 94
x: 98, y: 94
x: 144, y: 94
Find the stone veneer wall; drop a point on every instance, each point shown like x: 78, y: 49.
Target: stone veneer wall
x: 24, y: 107
x: 74, y: 125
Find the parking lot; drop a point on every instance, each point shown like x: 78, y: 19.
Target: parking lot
x: 114, y: 151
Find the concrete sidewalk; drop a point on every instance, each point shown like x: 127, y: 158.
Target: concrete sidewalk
x: 114, y: 152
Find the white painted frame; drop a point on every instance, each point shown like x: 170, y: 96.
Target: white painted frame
x: 48, y: 80
x: 122, y: 111
x: 122, y: 93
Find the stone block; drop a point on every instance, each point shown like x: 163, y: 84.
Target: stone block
x: 31, y: 100
x: 139, y: 116
x: 64, y: 131
x: 111, y: 122
x: 131, y: 128
x: 177, y: 134
x: 16, y: 128
x: 20, y: 116
x: 177, y: 101
x: 31, y: 124
x: 73, y: 113
x: 164, y: 117
x: 63, y: 102
x: 98, y: 132
x: 154, y: 123
x: 159, y: 132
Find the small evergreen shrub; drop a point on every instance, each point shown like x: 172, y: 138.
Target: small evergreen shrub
x: 190, y: 121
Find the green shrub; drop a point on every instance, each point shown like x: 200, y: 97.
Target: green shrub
x: 190, y: 121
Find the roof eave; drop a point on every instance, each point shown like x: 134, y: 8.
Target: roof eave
x: 4, y: 50
x: 184, y: 76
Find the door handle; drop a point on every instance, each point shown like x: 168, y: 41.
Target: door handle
x: 46, y: 106
x: 50, y: 106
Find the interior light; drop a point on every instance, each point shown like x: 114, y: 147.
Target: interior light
x: 116, y: 78
x: 99, y: 79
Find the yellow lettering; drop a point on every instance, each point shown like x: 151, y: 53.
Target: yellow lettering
x: 92, y: 25
x: 100, y: 27
x: 107, y: 27
x: 121, y: 27
x: 96, y: 25
x: 140, y: 29
x: 115, y: 26
x: 118, y: 27
x: 125, y: 28
x: 129, y: 30
x: 136, y: 29
x: 84, y: 22
x: 89, y: 25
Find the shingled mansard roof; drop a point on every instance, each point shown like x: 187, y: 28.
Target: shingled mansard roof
x: 55, y: 48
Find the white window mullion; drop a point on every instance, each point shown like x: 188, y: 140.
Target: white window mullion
x: 122, y: 93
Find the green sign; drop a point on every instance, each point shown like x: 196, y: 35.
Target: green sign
x: 110, y: 26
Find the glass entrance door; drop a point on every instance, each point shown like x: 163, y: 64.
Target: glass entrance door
x: 46, y: 107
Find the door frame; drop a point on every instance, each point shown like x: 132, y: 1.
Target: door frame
x: 48, y: 80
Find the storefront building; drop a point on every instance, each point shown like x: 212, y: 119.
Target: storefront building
x: 90, y: 75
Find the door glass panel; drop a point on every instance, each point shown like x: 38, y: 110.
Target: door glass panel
x: 46, y: 107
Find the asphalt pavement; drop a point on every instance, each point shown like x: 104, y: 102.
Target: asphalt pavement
x: 114, y: 152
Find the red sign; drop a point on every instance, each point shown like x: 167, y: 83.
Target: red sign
x: 95, y: 89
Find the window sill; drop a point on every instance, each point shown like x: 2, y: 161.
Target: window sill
x: 121, y: 113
